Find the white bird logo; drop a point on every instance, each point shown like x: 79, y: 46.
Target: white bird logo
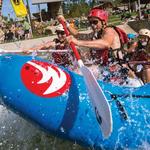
x: 59, y: 79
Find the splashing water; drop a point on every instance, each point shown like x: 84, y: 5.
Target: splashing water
x: 134, y: 122
x: 16, y: 133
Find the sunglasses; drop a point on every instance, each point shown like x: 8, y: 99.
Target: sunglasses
x: 95, y: 22
x: 60, y: 32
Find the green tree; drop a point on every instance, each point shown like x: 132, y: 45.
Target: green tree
x: 117, y: 2
x: 77, y: 9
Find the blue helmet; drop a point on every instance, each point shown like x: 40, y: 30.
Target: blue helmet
x: 131, y: 35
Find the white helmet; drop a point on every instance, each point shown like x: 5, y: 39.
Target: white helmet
x: 145, y: 32
x: 59, y: 28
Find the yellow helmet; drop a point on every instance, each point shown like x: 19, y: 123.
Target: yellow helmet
x: 144, y: 32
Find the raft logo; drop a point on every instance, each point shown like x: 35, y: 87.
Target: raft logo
x: 44, y: 79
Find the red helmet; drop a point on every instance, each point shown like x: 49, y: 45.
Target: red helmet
x: 99, y: 13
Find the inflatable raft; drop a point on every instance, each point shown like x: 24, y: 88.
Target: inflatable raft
x: 56, y: 99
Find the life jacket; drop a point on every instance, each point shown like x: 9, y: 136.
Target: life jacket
x: 61, y: 58
x: 140, y: 56
x: 122, y: 35
x: 102, y: 56
x: 99, y: 56
x: 123, y: 41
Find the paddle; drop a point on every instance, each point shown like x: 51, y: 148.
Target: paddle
x: 30, y: 51
x: 97, y: 97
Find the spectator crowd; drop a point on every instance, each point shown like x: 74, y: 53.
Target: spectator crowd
x: 10, y: 32
x: 14, y: 31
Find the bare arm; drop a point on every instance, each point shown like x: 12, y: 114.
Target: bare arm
x: 49, y: 44
x: 105, y: 42
x: 132, y: 47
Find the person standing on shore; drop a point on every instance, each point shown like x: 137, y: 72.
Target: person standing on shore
x: 27, y: 28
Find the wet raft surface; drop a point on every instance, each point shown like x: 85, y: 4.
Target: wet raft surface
x: 125, y: 132
x: 18, y: 134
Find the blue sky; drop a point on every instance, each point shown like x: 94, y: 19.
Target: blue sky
x: 7, y: 8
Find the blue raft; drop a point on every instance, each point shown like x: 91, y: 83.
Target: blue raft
x: 56, y: 99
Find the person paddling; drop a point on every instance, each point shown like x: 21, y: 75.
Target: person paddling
x: 105, y: 42
x: 64, y: 58
x: 140, y: 51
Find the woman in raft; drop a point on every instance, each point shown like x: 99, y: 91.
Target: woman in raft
x: 64, y: 59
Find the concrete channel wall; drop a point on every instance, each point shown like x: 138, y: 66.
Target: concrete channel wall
x: 25, y: 43
x: 137, y: 25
